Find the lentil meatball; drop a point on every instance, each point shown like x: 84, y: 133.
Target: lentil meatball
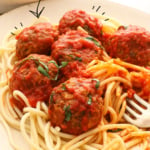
x: 76, y: 105
x: 37, y: 38
x: 75, y: 18
x: 34, y: 77
x: 131, y: 44
x: 76, y: 48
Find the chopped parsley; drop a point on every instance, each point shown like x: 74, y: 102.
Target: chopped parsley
x: 52, y: 61
x: 56, y: 77
x: 44, y: 65
x: 93, y: 40
x: 68, y: 113
x: 89, y: 102
x: 43, y: 71
x: 63, y: 64
x: 96, y: 42
x: 78, y: 58
x: 63, y: 86
x: 27, y: 58
x: 51, y: 97
x: 97, y: 83
x: 75, y: 57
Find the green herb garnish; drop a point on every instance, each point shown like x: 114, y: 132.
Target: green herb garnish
x: 54, y: 62
x: 89, y: 102
x: 27, y: 58
x: 72, y: 56
x: 44, y: 65
x: 97, y: 83
x: 68, y: 113
x: 78, y: 58
x: 56, y: 77
x: 51, y: 97
x: 43, y: 71
x: 63, y: 86
x: 63, y: 64
x: 93, y: 40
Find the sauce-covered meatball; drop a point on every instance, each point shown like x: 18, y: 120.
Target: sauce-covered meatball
x: 36, y: 39
x: 75, y: 18
x: 131, y: 44
x: 76, y: 48
x: 76, y: 105
x: 34, y: 77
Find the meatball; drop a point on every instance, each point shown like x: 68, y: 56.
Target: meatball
x: 34, y: 76
x: 74, y: 18
x: 76, y: 105
x: 36, y: 39
x: 76, y: 48
x: 131, y: 44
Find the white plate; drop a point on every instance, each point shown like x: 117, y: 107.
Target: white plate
x: 54, y: 9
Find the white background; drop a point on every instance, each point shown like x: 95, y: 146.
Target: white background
x: 144, y: 5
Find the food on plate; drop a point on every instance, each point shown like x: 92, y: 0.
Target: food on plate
x: 76, y: 45
x: 65, y: 86
x: 71, y: 20
x: 37, y: 38
x: 76, y: 105
x: 34, y: 76
x: 131, y: 44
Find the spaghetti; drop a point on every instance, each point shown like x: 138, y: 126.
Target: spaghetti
x: 113, y: 132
